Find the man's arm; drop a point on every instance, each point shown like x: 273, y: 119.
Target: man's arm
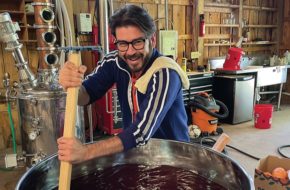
x: 72, y: 150
x: 83, y: 98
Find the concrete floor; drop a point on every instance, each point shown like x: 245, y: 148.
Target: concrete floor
x: 258, y: 142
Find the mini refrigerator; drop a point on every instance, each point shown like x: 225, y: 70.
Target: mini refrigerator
x: 237, y: 93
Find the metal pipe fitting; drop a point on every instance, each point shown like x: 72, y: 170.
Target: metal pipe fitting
x: 47, y: 15
x: 51, y: 58
x: 49, y: 37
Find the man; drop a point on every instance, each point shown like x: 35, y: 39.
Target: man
x: 149, y: 89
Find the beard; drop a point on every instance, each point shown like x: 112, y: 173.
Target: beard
x: 144, y: 60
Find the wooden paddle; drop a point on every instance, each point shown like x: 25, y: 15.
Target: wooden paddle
x: 221, y: 142
x: 69, y: 126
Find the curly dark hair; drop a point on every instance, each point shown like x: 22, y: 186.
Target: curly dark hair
x: 135, y: 16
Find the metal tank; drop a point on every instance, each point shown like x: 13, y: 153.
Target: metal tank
x: 205, y: 162
x: 40, y: 98
x: 41, y: 116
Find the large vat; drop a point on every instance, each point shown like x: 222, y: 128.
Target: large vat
x: 206, y: 162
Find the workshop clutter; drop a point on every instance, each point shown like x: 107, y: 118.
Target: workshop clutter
x: 272, y: 173
x: 263, y: 116
x: 205, y: 112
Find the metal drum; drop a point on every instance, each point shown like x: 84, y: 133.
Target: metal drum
x: 41, y: 122
x: 206, y: 162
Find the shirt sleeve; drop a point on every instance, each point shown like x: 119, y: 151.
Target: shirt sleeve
x: 161, y: 93
x: 100, y: 80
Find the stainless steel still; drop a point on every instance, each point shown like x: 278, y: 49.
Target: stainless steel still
x: 41, y: 114
x: 41, y: 99
x: 206, y: 162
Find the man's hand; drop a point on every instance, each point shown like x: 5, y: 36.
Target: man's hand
x: 71, y: 76
x: 71, y: 150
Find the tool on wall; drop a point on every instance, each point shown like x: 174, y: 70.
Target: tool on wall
x: 205, y: 112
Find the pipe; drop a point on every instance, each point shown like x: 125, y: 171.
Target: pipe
x: 104, y: 26
x: 166, y: 15
x: 61, y: 31
x: 67, y: 23
x: 6, y: 83
x: 12, y: 128
x: 44, y: 22
x: 9, y: 36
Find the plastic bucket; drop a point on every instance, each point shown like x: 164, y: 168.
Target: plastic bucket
x: 263, y: 116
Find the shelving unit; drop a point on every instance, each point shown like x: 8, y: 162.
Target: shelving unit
x: 16, y: 9
x: 258, y: 19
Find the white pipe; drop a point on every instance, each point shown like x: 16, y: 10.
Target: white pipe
x: 166, y: 15
x: 67, y: 24
x: 61, y: 30
x: 104, y: 26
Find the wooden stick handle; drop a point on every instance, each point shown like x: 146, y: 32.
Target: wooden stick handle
x: 221, y: 142
x: 69, y: 126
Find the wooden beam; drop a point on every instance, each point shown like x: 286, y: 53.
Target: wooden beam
x: 222, y: 25
x: 200, y: 42
x: 171, y: 2
x: 185, y: 37
x: 217, y: 36
x: 261, y: 48
x: 217, y: 9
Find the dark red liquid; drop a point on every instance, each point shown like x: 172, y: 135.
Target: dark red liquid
x: 142, y: 177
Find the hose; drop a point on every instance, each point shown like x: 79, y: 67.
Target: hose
x: 205, y: 109
x: 12, y: 128
x: 210, y: 142
x: 280, y: 150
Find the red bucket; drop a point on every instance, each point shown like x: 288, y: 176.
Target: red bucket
x: 263, y: 116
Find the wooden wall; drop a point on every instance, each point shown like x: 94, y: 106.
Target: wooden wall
x: 247, y: 11
x: 285, y: 45
x: 180, y: 14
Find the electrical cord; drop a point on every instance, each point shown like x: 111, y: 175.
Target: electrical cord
x: 210, y: 142
x: 280, y: 150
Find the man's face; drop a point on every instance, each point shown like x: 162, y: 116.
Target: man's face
x: 134, y: 48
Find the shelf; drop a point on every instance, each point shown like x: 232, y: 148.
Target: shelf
x: 217, y: 36
x: 30, y: 27
x: 13, y: 12
x: 29, y: 14
x: 216, y: 44
x: 257, y: 48
x: 259, y: 8
x: 223, y: 25
x: 221, y: 5
x: 261, y: 26
x: 259, y: 43
x: 28, y: 41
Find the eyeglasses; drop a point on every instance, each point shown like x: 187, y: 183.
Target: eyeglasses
x: 137, y: 44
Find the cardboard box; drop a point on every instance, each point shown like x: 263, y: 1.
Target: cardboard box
x: 266, y: 182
